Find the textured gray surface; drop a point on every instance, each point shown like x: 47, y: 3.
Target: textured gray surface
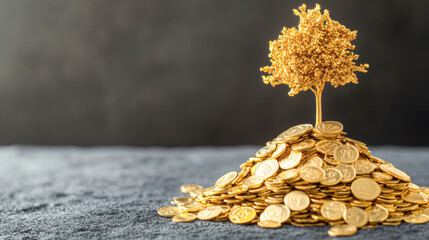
x: 114, y: 192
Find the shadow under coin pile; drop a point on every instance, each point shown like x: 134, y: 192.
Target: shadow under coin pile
x: 308, y: 177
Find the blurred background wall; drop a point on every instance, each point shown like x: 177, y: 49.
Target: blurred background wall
x: 168, y: 72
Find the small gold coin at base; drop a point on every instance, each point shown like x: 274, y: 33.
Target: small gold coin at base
x: 277, y: 212
x: 333, y: 210
x: 168, y: 211
x: 209, y: 213
x: 342, y: 230
x: 297, y: 200
x: 242, y: 215
x: 185, y: 217
x: 356, y: 216
x: 269, y: 224
x: 417, y: 218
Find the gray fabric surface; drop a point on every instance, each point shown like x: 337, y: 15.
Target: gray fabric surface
x: 114, y: 193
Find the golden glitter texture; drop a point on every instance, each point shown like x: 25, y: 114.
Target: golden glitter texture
x: 319, y: 51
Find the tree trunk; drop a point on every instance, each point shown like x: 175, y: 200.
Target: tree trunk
x: 318, y: 95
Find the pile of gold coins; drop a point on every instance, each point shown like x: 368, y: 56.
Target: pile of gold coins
x: 308, y: 177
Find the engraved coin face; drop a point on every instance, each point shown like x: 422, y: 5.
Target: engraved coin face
x: 312, y: 174
x: 226, y: 179
x: 168, y: 211
x: 327, y: 146
x: 363, y: 166
x: 241, y: 215
x: 365, y: 189
x: 356, y: 216
x: 277, y: 212
x: 303, y: 145
x: 415, y: 197
x: 267, y: 169
x: 342, y: 230
x: 348, y: 172
x: 298, y: 130
x: 377, y: 214
x: 332, y: 177
x: 209, y: 213
x: 333, y: 210
x: 288, y: 174
x: 266, y: 150
x: 329, y: 127
x: 290, y: 161
x: 346, y: 154
x: 313, y: 161
x: 297, y: 200
x: 253, y: 182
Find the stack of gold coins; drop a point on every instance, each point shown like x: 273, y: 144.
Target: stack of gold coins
x: 308, y: 177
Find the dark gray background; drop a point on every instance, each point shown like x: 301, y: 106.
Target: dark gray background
x: 93, y: 72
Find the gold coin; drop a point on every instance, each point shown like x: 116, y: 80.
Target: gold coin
x: 209, y: 213
x: 252, y: 182
x: 192, y: 207
x: 329, y: 127
x: 187, y: 188
x: 185, y: 217
x: 277, y: 212
x: 182, y: 200
x: 168, y: 211
x: 416, y: 218
x: 415, y: 197
x: 389, y: 168
x: 327, y: 146
x: 346, y: 154
x: 312, y: 174
x: 363, y: 166
x: 266, y: 150
x: 313, y: 161
x: 426, y: 211
x: 365, y: 189
x: 303, y: 145
x: 269, y: 224
x: 377, y: 214
x: 226, y: 179
x: 342, y: 230
x: 332, y: 177
x: 288, y: 174
x: 279, y: 150
x: 297, y: 131
x: 381, y: 176
x: 413, y: 187
x: 348, y: 172
x: 241, y: 215
x: 333, y: 210
x: 425, y: 190
x: 356, y: 216
x: 267, y: 169
x: 297, y: 200
x: 291, y: 161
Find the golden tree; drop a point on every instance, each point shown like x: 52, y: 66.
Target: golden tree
x: 319, y: 51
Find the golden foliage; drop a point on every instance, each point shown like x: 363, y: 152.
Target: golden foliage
x: 319, y: 51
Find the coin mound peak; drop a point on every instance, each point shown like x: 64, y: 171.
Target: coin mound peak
x: 309, y: 176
